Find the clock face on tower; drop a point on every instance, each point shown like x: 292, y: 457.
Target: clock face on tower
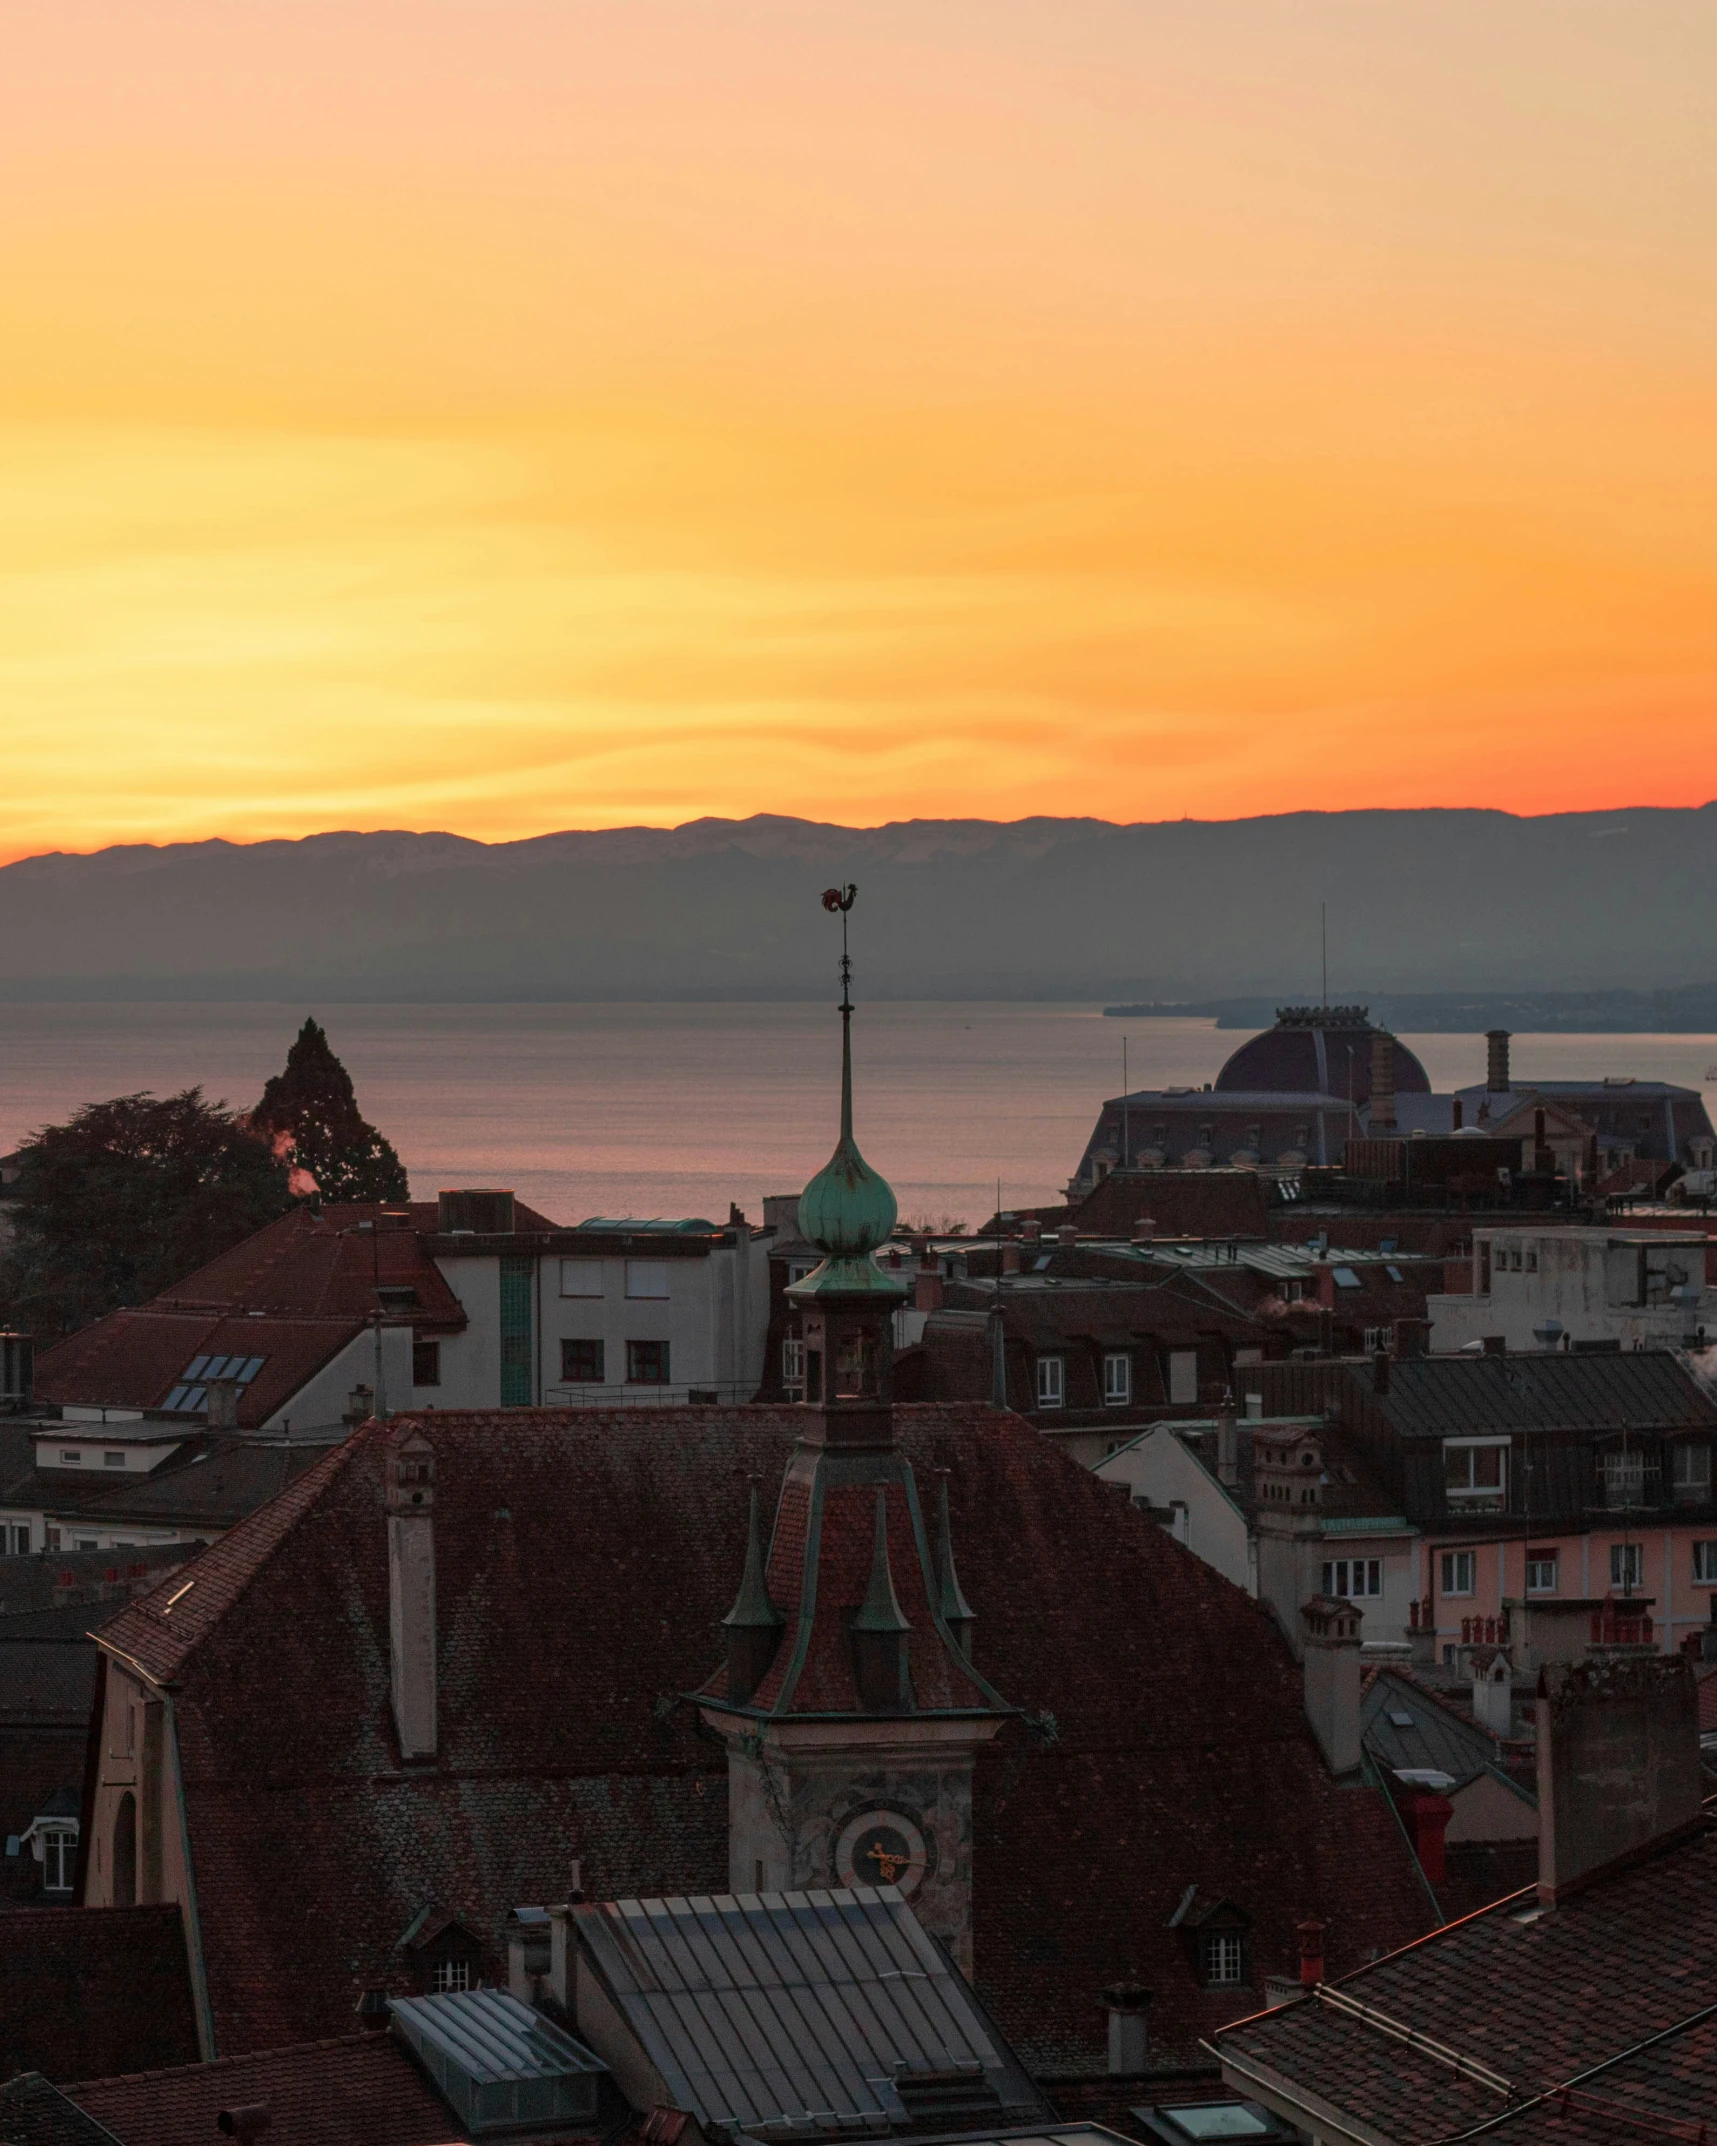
x: 881, y: 1847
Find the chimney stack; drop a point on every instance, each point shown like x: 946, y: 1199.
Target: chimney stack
x: 1311, y: 1936
x: 1330, y: 1658
x: 223, y: 1404
x: 1455, y: 1115
x: 1010, y: 1258
x: 1145, y: 1229
x: 927, y: 1289
x: 1381, y: 1118
x: 1227, y: 1445
x: 360, y: 1406
x: 1493, y: 1692
x: 1128, y: 2005
x: 1031, y: 1232
x: 1067, y: 1236
x: 1380, y: 1371
x: 1618, y: 1764
x: 1426, y: 1816
x: 1496, y: 1078
x: 411, y: 1590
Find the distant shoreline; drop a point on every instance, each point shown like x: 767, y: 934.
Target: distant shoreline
x: 1690, y: 1011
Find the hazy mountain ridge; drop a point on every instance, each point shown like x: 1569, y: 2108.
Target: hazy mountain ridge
x: 1467, y: 902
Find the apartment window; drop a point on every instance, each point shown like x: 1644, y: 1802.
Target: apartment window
x: 50, y: 1538
x: 1627, y: 1565
x: 1628, y: 1480
x: 646, y: 1363
x: 70, y: 1457
x: 1378, y: 1337
x: 1541, y: 1572
x: 59, y: 1861
x: 646, y: 1277
x: 1051, y: 1381
x: 426, y: 1363
x: 1458, y: 1572
x: 1475, y: 1474
x: 1705, y: 1561
x: 16, y: 1539
x: 1183, y: 1374
x: 1690, y: 1472
x: 793, y: 1365
x: 1352, y: 1577
x: 86, y: 1542
x: 449, y: 1975
x: 1484, y: 1267
x: 113, y: 1460
x: 581, y: 1363
x: 581, y: 1278
x: 1224, y: 1959
x: 1117, y: 1380
x: 1532, y: 1259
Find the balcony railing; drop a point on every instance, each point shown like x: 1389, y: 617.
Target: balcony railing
x: 723, y: 1393
x: 1629, y: 1482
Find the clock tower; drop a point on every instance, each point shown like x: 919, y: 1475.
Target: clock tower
x: 849, y: 1701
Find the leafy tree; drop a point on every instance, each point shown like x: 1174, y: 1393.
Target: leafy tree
x: 313, y: 1102
x: 126, y: 1198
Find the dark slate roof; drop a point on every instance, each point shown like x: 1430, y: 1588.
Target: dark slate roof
x: 91, y: 1990
x: 212, y: 1480
x: 1334, y: 1056
x: 797, y: 2011
x: 1432, y: 1736
x: 46, y: 1683
x: 362, y: 2087
x: 1443, y: 1396
x: 79, y: 1579
x: 1518, y: 2003
x: 1169, y: 1736
x: 33, y: 2112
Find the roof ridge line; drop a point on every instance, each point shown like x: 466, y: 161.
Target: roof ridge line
x: 269, y: 1526
x: 357, y: 2040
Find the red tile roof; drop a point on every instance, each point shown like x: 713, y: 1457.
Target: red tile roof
x: 1531, y: 2002
x: 584, y: 1560
x: 135, y: 1358
x: 362, y: 2087
x: 85, y: 1990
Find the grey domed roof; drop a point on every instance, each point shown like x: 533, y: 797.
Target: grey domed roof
x: 1319, y: 1050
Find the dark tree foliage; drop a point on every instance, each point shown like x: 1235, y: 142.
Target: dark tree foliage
x: 313, y: 1101
x: 127, y: 1198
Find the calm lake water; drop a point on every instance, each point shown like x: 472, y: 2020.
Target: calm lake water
x: 676, y: 1110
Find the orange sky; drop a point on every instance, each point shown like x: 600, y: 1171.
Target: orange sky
x: 516, y: 414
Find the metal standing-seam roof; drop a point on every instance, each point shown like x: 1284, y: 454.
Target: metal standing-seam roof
x: 795, y: 2014
x: 1407, y: 1730
x: 1438, y: 1396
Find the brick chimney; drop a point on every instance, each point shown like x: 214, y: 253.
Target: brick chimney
x: 1618, y: 1764
x: 1067, y: 1236
x: 1311, y: 1936
x: 1496, y: 1078
x: 1426, y: 1816
x: 1128, y: 2005
x: 410, y: 1498
x: 1010, y: 1258
x: 1330, y: 1655
x: 1381, y: 1118
x: 927, y: 1289
x: 1031, y: 1232
x: 1145, y: 1229
x: 223, y: 1404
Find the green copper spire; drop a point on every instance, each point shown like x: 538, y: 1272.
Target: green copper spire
x: 880, y: 1611
x: 753, y: 1611
x: 956, y: 1612
x: 847, y: 1209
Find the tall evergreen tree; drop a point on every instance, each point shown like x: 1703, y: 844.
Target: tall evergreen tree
x: 127, y: 1198
x: 313, y: 1102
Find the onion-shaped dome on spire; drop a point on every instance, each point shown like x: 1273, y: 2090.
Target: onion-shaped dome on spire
x: 848, y: 1209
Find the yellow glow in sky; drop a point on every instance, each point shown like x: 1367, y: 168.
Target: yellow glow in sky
x: 514, y: 414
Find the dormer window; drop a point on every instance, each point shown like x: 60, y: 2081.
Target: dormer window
x: 449, y: 1975
x: 1224, y: 1959
x: 1220, y: 1935
x: 1051, y: 1381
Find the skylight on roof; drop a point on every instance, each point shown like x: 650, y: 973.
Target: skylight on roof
x: 192, y: 1390
x: 1345, y: 1278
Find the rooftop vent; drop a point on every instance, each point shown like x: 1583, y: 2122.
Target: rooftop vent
x: 949, y: 2100
x: 499, y: 2064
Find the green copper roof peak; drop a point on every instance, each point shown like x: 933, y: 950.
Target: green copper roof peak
x: 881, y: 1611
x: 957, y: 1613
x: 753, y: 1610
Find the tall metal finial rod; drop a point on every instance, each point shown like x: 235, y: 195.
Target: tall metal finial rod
x: 838, y: 900
x: 1323, y: 931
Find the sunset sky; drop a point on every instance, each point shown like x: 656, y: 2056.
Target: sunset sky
x: 504, y: 415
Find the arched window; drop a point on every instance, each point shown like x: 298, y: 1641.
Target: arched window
x: 125, y: 1852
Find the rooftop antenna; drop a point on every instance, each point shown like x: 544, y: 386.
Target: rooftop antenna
x: 1323, y: 933
x: 839, y: 900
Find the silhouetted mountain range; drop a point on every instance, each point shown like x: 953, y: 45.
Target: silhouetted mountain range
x: 1462, y: 903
